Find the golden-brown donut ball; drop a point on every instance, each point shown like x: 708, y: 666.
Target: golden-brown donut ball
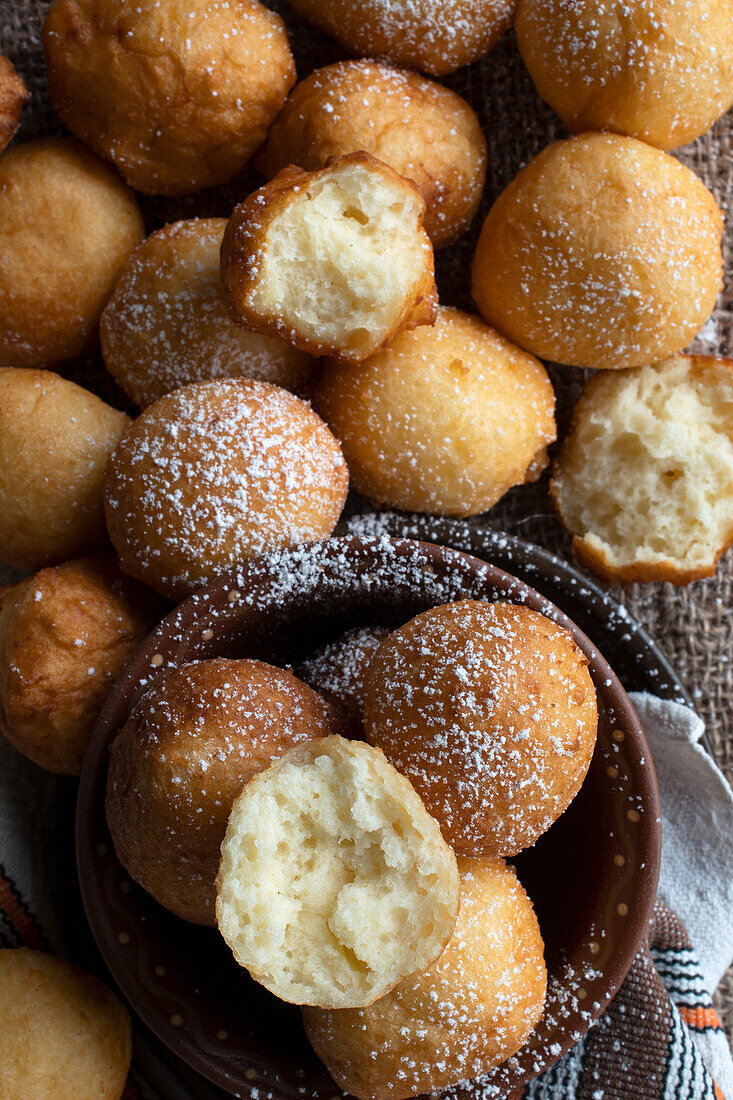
x: 491, y: 712
x: 177, y: 93
x: 67, y: 225
x: 337, y: 670
x: 662, y: 72
x: 187, y: 750
x: 464, y: 1015
x: 64, y: 1034
x: 55, y: 440
x: 335, y: 261
x: 424, y: 131
x: 445, y: 420
x: 435, y: 36
x: 167, y: 322
x: 216, y: 473
x: 603, y: 252
x: 13, y: 97
x: 65, y: 635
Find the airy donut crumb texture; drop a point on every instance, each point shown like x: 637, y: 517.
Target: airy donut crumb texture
x: 458, y: 1019
x: 334, y: 881
x: 340, y: 265
x: 645, y: 478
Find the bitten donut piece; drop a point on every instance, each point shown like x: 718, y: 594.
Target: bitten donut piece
x: 185, y: 753
x: 13, y: 97
x: 216, y: 473
x: 424, y: 131
x: 335, y: 261
x: 178, y: 94
x: 436, y: 36
x: 65, y: 635
x: 337, y: 670
x: 644, y: 480
x: 64, y: 1034
x: 661, y: 71
x: 444, y: 420
x: 167, y: 323
x: 490, y: 711
x: 464, y: 1015
x: 603, y: 252
x: 67, y: 226
x: 334, y: 882
x: 55, y: 440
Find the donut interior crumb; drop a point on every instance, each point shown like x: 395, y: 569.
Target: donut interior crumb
x: 647, y: 475
x: 334, y: 881
x: 341, y: 259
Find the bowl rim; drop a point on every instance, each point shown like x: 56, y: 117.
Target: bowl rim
x: 122, y: 697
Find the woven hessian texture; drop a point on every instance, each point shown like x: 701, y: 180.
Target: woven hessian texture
x: 693, y: 625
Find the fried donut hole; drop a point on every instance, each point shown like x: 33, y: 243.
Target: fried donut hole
x: 167, y: 323
x: 337, y: 670
x: 217, y: 473
x: 64, y: 1033
x: 177, y: 94
x: 603, y: 252
x: 13, y: 97
x: 490, y: 711
x: 644, y: 479
x: 445, y: 420
x: 335, y: 882
x: 663, y: 75
x: 55, y: 440
x: 464, y: 1015
x: 67, y: 226
x: 435, y: 36
x: 424, y: 131
x: 335, y: 262
x: 65, y: 636
x: 185, y: 753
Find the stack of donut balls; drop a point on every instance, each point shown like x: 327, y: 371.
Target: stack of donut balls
x: 264, y: 363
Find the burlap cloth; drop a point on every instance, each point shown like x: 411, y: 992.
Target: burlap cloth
x: 694, y: 625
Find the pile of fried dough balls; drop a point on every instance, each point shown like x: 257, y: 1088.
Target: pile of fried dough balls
x: 604, y: 252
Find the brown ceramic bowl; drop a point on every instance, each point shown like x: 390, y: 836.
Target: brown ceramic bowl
x: 592, y: 877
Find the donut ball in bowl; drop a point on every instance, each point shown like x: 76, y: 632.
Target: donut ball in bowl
x: 178, y: 94
x: 490, y: 711
x: 64, y: 1034
x: 424, y: 131
x: 216, y: 473
x: 167, y: 323
x: 663, y: 74
x: 65, y: 636
x: 67, y: 226
x: 464, y: 1015
x: 185, y: 753
x: 55, y: 440
x: 445, y: 420
x: 603, y: 252
x: 334, y: 882
x: 435, y: 36
x: 13, y: 97
x: 337, y: 670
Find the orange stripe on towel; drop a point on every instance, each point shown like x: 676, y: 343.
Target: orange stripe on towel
x: 699, y: 1017
x: 19, y: 917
